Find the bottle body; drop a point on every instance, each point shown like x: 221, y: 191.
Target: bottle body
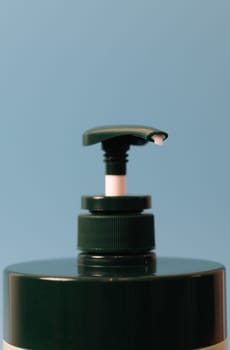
x: 116, y: 302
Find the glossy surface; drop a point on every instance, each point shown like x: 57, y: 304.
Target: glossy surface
x: 115, y: 302
x: 116, y: 203
x: 65, y: 268
x: 104, y: 133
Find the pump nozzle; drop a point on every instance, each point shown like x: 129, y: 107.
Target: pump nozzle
x: 116, y: 141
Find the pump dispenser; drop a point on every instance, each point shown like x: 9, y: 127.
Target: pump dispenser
x: 117, y: 293
x: 116, y: 223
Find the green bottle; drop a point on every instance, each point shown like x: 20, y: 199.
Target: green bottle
x: 117, y: 294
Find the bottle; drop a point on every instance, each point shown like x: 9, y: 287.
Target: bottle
x: 117, y: 294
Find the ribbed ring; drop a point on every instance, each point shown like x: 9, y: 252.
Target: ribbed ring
x: 115, y: 233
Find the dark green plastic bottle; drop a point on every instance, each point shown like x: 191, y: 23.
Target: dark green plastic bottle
x: 117, y: 294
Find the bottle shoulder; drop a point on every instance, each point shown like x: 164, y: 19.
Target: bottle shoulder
x: 67, y: 269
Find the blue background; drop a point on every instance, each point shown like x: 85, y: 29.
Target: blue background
x: 66, y: 66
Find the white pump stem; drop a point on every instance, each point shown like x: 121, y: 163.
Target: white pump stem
x: 115, y: 185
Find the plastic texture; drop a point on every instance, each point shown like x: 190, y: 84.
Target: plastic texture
x: 117, y: 294
x: 116, y: 141
x: 124, y: 228
x: 116, y: 302
x: 141, y: 134
x: 116, y: 204
x: 116, y: 224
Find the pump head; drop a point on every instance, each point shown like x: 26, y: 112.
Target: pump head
x: 116, y: 223
x: 116, y: 141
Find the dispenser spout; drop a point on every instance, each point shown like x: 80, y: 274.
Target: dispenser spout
x: 158, y: 139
